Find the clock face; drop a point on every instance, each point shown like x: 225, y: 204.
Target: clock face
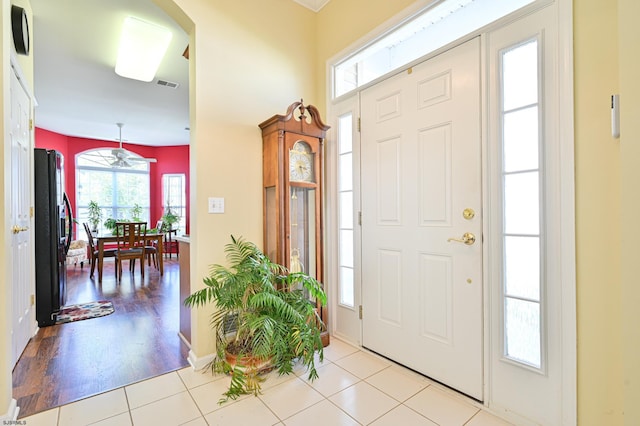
x: 301, y: 163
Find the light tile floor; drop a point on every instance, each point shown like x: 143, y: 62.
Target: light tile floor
x: 355, y: 388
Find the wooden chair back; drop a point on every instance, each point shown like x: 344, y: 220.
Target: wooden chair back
x: 131, y: 236
x: 89, y: 238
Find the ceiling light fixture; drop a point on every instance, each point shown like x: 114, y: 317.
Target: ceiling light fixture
x: 142, y: 47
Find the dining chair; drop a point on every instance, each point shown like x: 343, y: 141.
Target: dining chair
x: 130, y: 246
x: 110, y: 252
x: 151, y: 251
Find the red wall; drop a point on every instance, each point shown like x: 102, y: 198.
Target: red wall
x: 171, y: 159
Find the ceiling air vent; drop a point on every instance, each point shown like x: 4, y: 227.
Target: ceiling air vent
x: 168, y: 84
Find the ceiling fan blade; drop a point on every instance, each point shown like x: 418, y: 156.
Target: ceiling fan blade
x: 147, y: 160
x: 120, y: 162
x: 123, y: 158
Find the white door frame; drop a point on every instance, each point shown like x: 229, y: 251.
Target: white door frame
x: 29, y: 316
x: 566, y: 196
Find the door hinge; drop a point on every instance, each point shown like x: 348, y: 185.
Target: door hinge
x: 360, y: 218
x: 359, y: 124
x: 31, y: 124
x: 360, y: 311
x: 32, y: 299
x: 30, y: 211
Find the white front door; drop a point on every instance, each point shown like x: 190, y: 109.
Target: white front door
x: 421, y: 208
x: 21, y: 242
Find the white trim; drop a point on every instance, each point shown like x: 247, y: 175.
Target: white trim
x: 332, y: 267
x: 397, y: 20
x: 15, y: 65
x: 567, y: 213
x: 199, y: 363
x: 185, y: 341
x: 12, y: 413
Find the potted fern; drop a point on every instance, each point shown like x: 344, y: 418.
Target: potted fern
x: 263, y: 319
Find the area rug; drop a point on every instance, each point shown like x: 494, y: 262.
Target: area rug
x: 84, y: 311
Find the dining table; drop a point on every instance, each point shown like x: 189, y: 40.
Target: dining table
x: 110, y: 238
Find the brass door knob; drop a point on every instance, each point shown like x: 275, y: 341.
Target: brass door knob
x: 467, y: 238
x: 17, y: 229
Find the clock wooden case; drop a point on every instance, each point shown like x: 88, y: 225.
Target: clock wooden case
x: 293, y: 179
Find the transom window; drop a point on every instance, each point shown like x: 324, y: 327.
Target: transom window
x: 118, y: 191
x: 441, y: 23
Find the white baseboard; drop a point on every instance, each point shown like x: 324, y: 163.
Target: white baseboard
x: 199, y: 363
x: 184, y: 340
x: 12, y: 413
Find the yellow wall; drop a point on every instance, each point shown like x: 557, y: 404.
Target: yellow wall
x: 252, y: 60
x: 597, y: 157
x: 629, y: 35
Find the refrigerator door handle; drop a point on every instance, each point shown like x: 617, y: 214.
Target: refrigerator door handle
x: 67, y: 206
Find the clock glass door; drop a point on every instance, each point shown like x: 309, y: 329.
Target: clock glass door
x: 302, y: 254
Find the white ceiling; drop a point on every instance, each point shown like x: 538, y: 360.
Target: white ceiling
x: 75, y: 44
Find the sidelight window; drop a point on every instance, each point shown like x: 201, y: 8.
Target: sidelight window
x: 522, y: 176
x: 345, y: 211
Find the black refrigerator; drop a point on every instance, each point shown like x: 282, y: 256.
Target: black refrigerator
x: 53, y: 234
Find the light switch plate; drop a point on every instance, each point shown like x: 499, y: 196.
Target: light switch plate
x: 216, y: 205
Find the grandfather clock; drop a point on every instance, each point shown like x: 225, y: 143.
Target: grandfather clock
x: 293, y: 173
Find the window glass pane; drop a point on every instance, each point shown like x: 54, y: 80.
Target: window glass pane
x: 520, y: 76
x: 132, y: 189
x: 346, y: 248
x: 521, y: 203
x: 345, y: 172
x: 345, y: 133
x: 346, y: 286
x: 523, y: 331
x: 521, y: 140
x: 522, y: 267
x: 117, y: 190
x: 346, y: 210
x: 174, y: 198
x: 94, y: 185
x: 438, y: 25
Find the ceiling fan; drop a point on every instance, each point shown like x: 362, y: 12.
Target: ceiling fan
x: 124, y: 158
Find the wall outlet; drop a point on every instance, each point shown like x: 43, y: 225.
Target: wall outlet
x: 216, y: 205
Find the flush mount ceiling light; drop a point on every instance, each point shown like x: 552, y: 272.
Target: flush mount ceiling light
x: 142, y: 47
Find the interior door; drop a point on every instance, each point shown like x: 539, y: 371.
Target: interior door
x: 20, y: 218
x: 421, y: 219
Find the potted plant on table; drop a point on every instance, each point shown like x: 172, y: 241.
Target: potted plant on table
x: 263, y: 319
x: 110, y: 224
x: 168, y: 219
x: 94, y: 215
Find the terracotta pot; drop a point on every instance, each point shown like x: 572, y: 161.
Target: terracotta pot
x: 259, y: 365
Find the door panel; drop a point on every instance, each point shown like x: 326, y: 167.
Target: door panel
x: 21, y: 238
x: 421, y: 168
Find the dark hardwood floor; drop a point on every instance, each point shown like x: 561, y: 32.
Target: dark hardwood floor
x: 67, y: 362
